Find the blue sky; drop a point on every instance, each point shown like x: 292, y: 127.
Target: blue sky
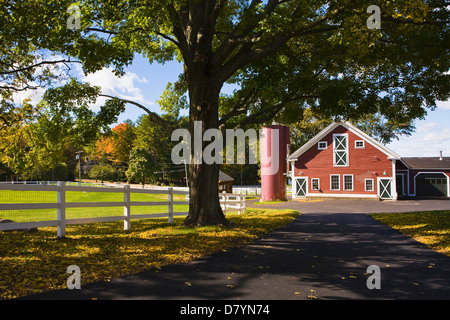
x: 431, y: 135
x: 144, y: 83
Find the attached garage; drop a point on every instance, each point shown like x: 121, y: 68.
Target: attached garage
x: 425, y: 176
x: 431, y: 185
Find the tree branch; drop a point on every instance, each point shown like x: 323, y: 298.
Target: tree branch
x: 269, y: 113
x: 405, y: 21
x: 37, y: 65
x: 101, y: 30
x: 240, y: 106
x: 18, y: 89
x: 246, y: 55
x: 177, y: 30
x: 153, y: 116
x: 163, y: 35
x: 266, y: 114
x: 228, y: 45
x: 217, y: 8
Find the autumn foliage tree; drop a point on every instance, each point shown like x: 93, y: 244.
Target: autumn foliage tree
x: 116, y: 145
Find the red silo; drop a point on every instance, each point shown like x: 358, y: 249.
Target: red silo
x: 274, y: 141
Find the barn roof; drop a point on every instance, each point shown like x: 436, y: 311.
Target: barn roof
x: 427, y: 162
x: 224, y: 177
x: 391, y: 154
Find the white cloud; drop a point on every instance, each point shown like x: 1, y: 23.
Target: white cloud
x: 125, y: 87
x: 444, y: 105
x: 427, y: 141
x: 35, y: 96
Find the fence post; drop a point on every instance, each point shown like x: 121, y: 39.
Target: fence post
x: 241, y: 204
x: 224, y: 201
x: 170, y: 196
x: 127, y: 207
x: 61, y: 212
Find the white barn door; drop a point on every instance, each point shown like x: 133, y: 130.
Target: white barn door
x: 300, y: 187
x: 386, y: 188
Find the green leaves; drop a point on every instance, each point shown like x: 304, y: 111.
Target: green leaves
x: 141, y: 166
x: 103, y: 172
x: 174, y: 99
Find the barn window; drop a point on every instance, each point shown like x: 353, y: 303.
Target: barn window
x: 322, y: 145
x: 359, y: 144
x: 315, y: 184
x: 348, y: 182
x: 368, y: 184
x: 335, y: 182
x: 340, y: 150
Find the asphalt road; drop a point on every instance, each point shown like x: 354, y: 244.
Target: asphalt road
x: 323, y: 254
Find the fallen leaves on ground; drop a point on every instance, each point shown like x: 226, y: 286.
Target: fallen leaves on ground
x: 431, y: 228
x: 37, y: 262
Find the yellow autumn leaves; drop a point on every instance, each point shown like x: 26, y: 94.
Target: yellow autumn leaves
x: 37, y: 262
x: 431, y: 228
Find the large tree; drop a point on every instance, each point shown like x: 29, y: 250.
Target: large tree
x: 283, y: 54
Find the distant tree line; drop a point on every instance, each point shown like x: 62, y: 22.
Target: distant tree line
x: 41, y: 145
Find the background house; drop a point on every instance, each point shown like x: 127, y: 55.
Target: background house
x: 225, y: 182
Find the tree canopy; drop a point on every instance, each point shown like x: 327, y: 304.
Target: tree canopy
x: 284, y: 56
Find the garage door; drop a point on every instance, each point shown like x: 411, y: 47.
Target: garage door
x: 431, y: 185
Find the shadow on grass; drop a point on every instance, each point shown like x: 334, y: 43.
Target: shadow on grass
x: 431, y: 228
x: 33, y: 263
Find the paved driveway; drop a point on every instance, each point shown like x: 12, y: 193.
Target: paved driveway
x: 358, y: 206
x: 323, y: 254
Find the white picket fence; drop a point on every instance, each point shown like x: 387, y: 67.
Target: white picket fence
x: 247, y: 190
x: 228, y: 201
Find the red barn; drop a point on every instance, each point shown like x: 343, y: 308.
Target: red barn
x: 342, y: 161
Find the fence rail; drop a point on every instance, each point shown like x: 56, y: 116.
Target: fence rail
x: 229, y: 202
x: 247, y: 190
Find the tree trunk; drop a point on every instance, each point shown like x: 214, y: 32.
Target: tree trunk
x: 195, y: 33
x: 204, y: 206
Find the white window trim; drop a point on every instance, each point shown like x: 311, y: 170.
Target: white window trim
x: 312, y: 184
x: 365, y: 185
x: 324, y: 148
x: 343, y: 182
x: 331, y: 182
x: 363, y: 144
x: 346, y: 150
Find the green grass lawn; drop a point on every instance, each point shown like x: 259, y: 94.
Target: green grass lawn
x: 431, y: 228
x: 78, y: 196
x: 37, y: 262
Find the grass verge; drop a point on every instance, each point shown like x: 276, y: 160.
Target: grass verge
x: 431, y: 228
x: 37, y: 262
